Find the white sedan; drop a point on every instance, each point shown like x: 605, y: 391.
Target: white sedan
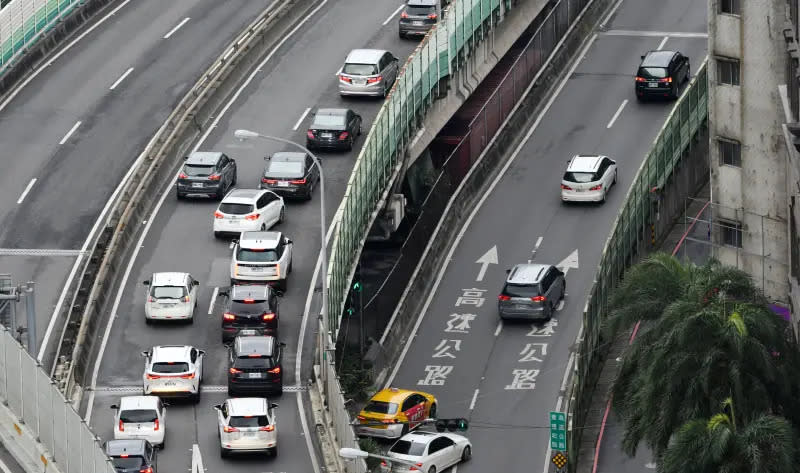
x: 428, y: 452
x: 173, y: 370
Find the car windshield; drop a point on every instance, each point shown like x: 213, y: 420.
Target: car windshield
x: 167, y: 292
x: 245, y: 362
x: 653, y: 72
x: 580, y: 177
x: 248, y: 421
x: 196, y: 170
x: 322, y: 121
x: 380, y: 407
x: 170, y: 367
x: 419, y: 10
x: 257, y: 256
x: 246, y: 308
x: 127, y: 463
x: 138, y: 415
x: 235, y: 209
x: 360, y: 69
x: 407, y: 447
x: 284, y: 169
x: 521, y: 290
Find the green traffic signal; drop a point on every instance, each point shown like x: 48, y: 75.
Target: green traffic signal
x: 452, y: 425
x: 356, y: 286
x: 350, y: 311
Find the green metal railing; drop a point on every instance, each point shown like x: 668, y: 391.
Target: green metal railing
x: 627, y: 239
x: 442, y: 51
x: 22, y: 22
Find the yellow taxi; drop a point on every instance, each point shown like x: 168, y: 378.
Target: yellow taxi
x: 392, y: 412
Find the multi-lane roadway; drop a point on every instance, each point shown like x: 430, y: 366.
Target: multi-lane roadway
x: 506, y: 377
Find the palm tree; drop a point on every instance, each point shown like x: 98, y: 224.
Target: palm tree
x: 723, y: 444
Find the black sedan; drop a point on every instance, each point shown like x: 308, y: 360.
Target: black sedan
x: 334, y: 128
x: 661, y: 74
x: 290, y: 174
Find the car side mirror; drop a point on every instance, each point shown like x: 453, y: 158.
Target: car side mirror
x: 165, y: 404
x: 185, y: 158
x: 202, y: 352
x: 282, y: 344
x: 223, y: 293
x: 145, y: 354
x: 273, y: 406
x: 114, y: 406
x: 289, y: 242
x: 217, y: 407
x: 146, y: 282
x: 642, y: 57
x: 196, y: 283
x: 508, y: 271
x: 266, y: 158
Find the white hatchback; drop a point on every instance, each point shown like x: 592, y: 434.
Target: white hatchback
x: 173, y: 370
x: 248, y: 210
x: 140, y: 417
x: 170, y: 296
x: 588, y: 178
x: 427, y: 452
x: 245, y: 425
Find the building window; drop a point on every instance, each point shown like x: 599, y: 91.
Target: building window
x: 728, y: 71
x: 731, y: 233
x: 730, y: 152
x: 729, y: 6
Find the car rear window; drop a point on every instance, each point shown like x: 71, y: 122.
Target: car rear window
x: 168, y: 292
x: 248, y: 421
x: 127, y: 463
x: 257, y: 256
x: 381, y: 407
x: 419, y: 10
x: 521, y: 290
x: 195, y: 170
x: 407, y: 447
x: 246, y: 308
x: 284, y: 169
x: 360, y: 69
x: 653, y: 72
x: 580, y: 177
x: 245, y: 362
x: 323, y: 121
x: 235, y: 209
x: 138, y: 415
x: 170, y: 367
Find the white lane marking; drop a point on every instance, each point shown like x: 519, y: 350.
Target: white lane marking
x: 610, y: 14
x: 616, y: 114
x: 70, y: 132
x: 300, y: 120
x: 392, y: 15
x: 477, y: 207
x: 37, y: 71
x: 173, y: 30
x: 650, y: 34
x: 662, y: 43
x: 560, y: 306
x: 27, y: 189
x: 474, y: 399
x: 213, y: 300
x: 538, y: 244
x: 454, y: 469
x: 499, y: 327
x: 121, y: 78
x: 4, y: 467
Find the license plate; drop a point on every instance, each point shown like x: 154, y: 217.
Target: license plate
x: 417, y: 23
x: 248, y: 332
x: 257, y: 269
x: 250, y: 434
x: 170, y: 383
x: 652, y: 84
x: 330, y: 135
x: 283, y: 184
x: 360, y: 81
x: 520, y: 306
x: 254, y: 375
x: 197, y: 184
x: 166, y: 304
x: 578, y: 190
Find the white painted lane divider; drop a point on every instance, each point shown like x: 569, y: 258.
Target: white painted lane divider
x: 121, y: 78
x: 499, y: 327
x: 616, y: 114
x: 392, y: 15
x: 652, y: 34
x: 27, y: 189
x: 70, y: 132
x: 300, y: 120
x: 662, y: 43
x: 213, y: 300
x: 535, y: 248
x: 474, y: 399
x: 173, y: 30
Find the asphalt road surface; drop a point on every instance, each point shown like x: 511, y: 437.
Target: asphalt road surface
x: 506, y: 377
x: 299, y: 76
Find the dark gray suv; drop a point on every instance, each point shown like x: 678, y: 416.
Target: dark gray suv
x: 132, y: 456
x: 418, y: 17
x: 208, y: 174
x: 532, y: 292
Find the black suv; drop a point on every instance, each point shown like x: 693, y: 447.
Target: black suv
x: 205, y: 173
x: 661, y: 74
x: 254, y: 366
x: 249, y: 310
x: 290, y: 174
x: 132, y: 456
x: 418, y: 17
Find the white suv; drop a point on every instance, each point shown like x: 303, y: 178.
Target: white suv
x: 140, y: 417
x: 264, y: 257
x: 170, y: 296
x: 588, y: 178
x: 248, y: 210
x: 247, y: 424
x: 173, y: 370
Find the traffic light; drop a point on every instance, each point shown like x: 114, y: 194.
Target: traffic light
x: 452, y: 425
x: 357, y: 286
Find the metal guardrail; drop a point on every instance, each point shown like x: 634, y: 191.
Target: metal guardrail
x: 627, y: 240
x: 22, y: 22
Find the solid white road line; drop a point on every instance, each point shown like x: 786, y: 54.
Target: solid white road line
x: 674, y: 34
x: 610, y: 13
x: 70, y: 132
x: 27, y: 189
x: 173, y: 30
x: 474, y: 399
x: 392, y: 15
x: 616, y: 114
x: 499, y: 327
x: 121, y: 78
x: 538, y: 244
x: 300, y: 120
x: 662, y: 43
x: 477, y: 207
x: 213, y: 300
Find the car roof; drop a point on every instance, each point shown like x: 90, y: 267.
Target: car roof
x: 289, y: 156
x: 260, y: 240
x: 254, y: 406
x: 203, y: 158
x: 130, y: 446
x: 395, y: 395
x: 527, y: 273
x: 168, y: 279
x: 167, y: 353
x: 138, y: 402
x: 242, y: 196
x: 331, y: 111
x: 421, y: 3
x: 657, y: 58
x: 256, y: 345
x: 249, y: 291
x: 584, y: 163
x: 365, y: 56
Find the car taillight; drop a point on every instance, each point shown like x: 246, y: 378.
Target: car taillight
x: 388, y: 421
x: 538, y: 299
x: 276, y: 370
x: 252, y: 217
x: 121, y: 426
x: 187, y: 376
x: 185, y: 298
x: 151, y: 299
x: 149, y: 469
x: 230, y: 429
x: 267, y: 428
x: 373, y: 80
x: 182, y: 176
x: 416, y: 467
x: 268, y: 181
x: 213, y: 177
x: 361, y: 418
x: 228, y: 316
x: 640, y: 79
x: 565, y: 188
x: 268, y: 316
x: 310, y: 134
x: 503, y: 297
x: 218, y: 214
x: 383, y: 463
x: 298, y: 181
x: 234, y: 371
x: 155, y: 424
x: 404, y: 15
x: 345, y: 79
x: 596, y: 188
x: 150, y: 376
x: 344, y: 135
x: 666, y: 79
x: 432, y: 16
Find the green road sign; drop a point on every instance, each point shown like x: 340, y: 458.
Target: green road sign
x: 558, y: 431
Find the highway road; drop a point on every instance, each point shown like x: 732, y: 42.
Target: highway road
x: 299, y: 76
x: 506, y: 377
x: 72, y: 133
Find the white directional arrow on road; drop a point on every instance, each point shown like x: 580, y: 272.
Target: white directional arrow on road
x: 569, y: 262
x: 490, y: 257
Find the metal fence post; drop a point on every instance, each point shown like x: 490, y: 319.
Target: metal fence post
x: 30, y: 309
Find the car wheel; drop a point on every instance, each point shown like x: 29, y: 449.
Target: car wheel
x: 273, y: 451
x: 603, y: 199
x: 196, y: 397
x: 432, y: 413
x: 614, y: 183
x: 432, y: 469
x: 178, y: 195
x: 405, y: 430
x: 233, y: 181
x: 148, y: 321
x: 283, y: 284
x: 263, y: 227
x: 163, y: 444
x: 359, y: 129
x: 563, y: 292
x: 217, y: 235
x: 290, y: 267
x: 223, y: 452
x: 282, y: 216
x: 466, y: 454
x: 402, y: 36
